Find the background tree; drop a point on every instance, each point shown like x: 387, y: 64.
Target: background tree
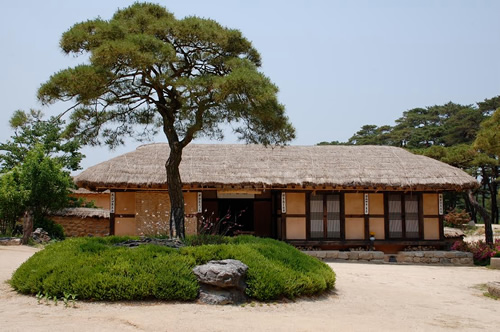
x: 488, y: 144
x: 150, y: 71
x: 39, y: 186
x: 332, y: 143
x: 30, y: 130
x: 461, y: 126
x: 421, y: 128
x: 416, y: 128
x: 488, y: 137
x: 488, y: 106
x: 444, y: 125
x: 372, y: 135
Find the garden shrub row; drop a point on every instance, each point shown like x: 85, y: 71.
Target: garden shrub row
x: 96, y: 269
x: 481, y: 251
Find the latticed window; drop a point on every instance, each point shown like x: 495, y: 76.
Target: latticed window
x: 325, y: 216
x: 395, y: 216
x: 403, y: 216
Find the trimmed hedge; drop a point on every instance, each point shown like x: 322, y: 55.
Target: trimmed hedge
x: 95, y: 269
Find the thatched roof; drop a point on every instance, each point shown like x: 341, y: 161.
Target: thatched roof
x: 82, y: 213
x: 254, y: 165
x: 450, y: 232
x: 83, y: 191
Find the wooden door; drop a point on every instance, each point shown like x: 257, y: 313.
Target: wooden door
x: 263, y: 218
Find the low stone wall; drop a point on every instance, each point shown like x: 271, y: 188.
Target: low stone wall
x: 10, y: 241
x: 435, y: 257
x: 367, y: 256
x: 402, y: 257
x: 495, y: 262
x: 77, y: 226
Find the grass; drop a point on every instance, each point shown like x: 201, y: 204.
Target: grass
x: 484, y: 288
x: 491, y: 296
x: 96, y: 269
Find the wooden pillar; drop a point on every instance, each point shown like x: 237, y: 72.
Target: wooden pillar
x: 342, y: 216
x: 421, y: 217
x: 366, y: 216
x: 112, y: 198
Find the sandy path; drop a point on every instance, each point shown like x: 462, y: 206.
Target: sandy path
x: 368, y: 297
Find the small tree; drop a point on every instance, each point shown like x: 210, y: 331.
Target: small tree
x: 11, y: 201
x: 150, y: 71
x: 46, y: 184
x: 38, y: 186
x: 29, y: 130
x: 457, y: 218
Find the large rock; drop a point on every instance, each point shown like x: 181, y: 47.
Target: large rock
x: 222, y: 282
x: 40, y: 236
x: 494, y: 288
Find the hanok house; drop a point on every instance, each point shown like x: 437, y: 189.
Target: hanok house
x: 319, y: 196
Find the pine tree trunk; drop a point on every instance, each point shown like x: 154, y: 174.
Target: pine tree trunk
x: 488, y: 230
x: 175, y: 192
x: 470, y: 208
x: 483, y: 192
x: 494, y: 192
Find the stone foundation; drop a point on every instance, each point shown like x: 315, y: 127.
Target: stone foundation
x: 335, y: 255
x: 458, y: 258
x: 435, y: 257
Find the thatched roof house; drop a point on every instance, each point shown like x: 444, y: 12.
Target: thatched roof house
x: 82, y: 213
x: 261, y: 167
x: 328, y: 196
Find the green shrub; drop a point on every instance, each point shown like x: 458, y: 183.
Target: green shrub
x: 80, y: 202
x: 457, y: 218
x: 202, y: 239
x: 95, y: 269
x: 54, y: 230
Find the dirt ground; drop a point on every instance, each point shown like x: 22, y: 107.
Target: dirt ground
x: 368, y: 297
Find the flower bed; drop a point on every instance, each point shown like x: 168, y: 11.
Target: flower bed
x: 481, y: 251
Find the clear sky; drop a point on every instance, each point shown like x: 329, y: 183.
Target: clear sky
x: 338, y: 64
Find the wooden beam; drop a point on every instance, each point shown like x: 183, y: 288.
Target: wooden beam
x: 366, y: 242
x: 240, y: 191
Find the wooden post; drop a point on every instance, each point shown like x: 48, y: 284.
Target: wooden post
x: 366, y: 216
x: 342, y: 216
x: 112, y: 203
